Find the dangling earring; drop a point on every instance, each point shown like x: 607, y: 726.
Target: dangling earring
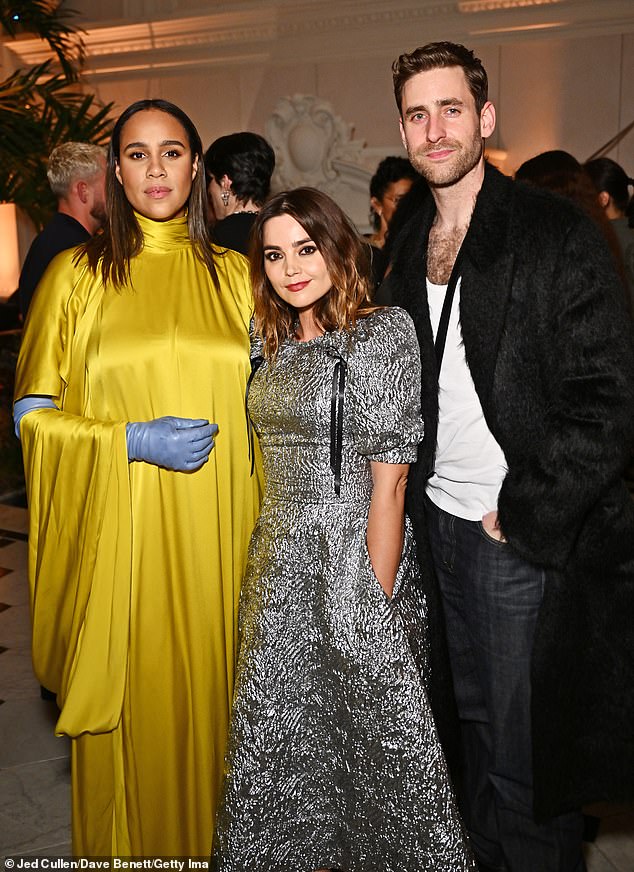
x: 226, y: 191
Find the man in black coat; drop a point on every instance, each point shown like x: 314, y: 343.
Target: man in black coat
x: 76, y: 174
x: 518, y: 494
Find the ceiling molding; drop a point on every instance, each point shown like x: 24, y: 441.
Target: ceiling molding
x: 255, y: 31
x: 159, y: 36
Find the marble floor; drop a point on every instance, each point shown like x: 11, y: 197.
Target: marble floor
x: 35, y: 765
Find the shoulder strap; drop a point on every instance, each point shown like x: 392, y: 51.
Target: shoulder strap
x: 443, y: 325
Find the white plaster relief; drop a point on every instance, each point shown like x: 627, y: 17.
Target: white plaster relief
x: 314, y: 146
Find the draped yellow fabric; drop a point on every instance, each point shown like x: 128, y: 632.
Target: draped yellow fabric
x: 135, y: 570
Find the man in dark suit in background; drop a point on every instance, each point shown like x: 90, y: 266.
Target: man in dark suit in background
x: 76, y: 174
x: 528, y: 399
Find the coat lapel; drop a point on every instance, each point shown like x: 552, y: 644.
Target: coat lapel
x: 487, y: 278
x: 409, y: 290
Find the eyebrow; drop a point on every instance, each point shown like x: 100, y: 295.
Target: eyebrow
x: 162, y: 144
x: 446, y: 101
x: 294, y: 244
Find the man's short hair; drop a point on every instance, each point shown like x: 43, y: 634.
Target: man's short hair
x: 71, y: 162
x: 441, y: 54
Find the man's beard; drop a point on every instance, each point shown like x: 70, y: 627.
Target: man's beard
x: 464, y: 159
x: 98, y: 212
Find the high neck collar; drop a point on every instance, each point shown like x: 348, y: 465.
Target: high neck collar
x: 164, y: 235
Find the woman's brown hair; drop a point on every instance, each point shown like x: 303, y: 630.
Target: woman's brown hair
x: 347, y: 260
x: 122, y: 237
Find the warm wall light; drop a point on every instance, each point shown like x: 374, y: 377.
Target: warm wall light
x: 9, y: 251
x: 494, y: 5
x: 496, y: 156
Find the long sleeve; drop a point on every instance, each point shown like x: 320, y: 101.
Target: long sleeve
x: 79, y: 563
x: 587, y: 428
x: 78, y: 491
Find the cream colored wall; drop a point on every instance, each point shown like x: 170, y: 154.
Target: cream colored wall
x: 568, y: 94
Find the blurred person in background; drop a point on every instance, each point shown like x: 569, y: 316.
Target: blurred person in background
x: 612, y: 184
x: 560, y: 172
x: 392, y: 180
x: 76, y: 174
x: 407, y: 206
x: 239, y: 169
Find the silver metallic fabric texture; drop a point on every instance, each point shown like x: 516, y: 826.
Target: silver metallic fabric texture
x: 333, y: 758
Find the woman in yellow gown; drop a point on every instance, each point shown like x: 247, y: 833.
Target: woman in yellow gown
x: 135, y: 552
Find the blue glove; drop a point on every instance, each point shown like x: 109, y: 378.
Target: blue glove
x: 25, y: 405
x: 181, y: 444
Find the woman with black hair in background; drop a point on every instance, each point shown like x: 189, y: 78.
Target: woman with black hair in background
x: 408, y: 206
x: 562, y: 173
x: 612, y: 184
x: 138, y: 529
x: 392, y: 180
x: 239, y: 169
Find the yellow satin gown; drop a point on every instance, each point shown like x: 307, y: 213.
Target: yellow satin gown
x: 135, y: 570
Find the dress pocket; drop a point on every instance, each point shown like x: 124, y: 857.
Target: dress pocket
x: 403, y: 566
x: 365, y: 555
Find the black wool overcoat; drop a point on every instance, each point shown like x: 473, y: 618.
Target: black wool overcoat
x: 549, y: 346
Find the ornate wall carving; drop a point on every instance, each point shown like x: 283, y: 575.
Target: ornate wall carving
x: 314, y: 146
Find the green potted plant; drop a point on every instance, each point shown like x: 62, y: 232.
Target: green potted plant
x: 43, y: 106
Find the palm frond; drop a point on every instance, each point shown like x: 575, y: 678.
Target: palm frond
x: 51, y: 22
x: 41, y: 108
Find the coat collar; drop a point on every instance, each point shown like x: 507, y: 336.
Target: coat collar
x: 486, y: 239
x: 487, y: 279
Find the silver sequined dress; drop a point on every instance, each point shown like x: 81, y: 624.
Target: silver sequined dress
x: 333, y: 757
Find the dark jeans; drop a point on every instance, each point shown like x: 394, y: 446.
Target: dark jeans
x: 491, y: 598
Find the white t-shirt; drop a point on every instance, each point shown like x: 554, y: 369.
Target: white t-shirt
x: 470, y: 465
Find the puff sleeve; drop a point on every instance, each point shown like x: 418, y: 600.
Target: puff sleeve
x: 385, y: 388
